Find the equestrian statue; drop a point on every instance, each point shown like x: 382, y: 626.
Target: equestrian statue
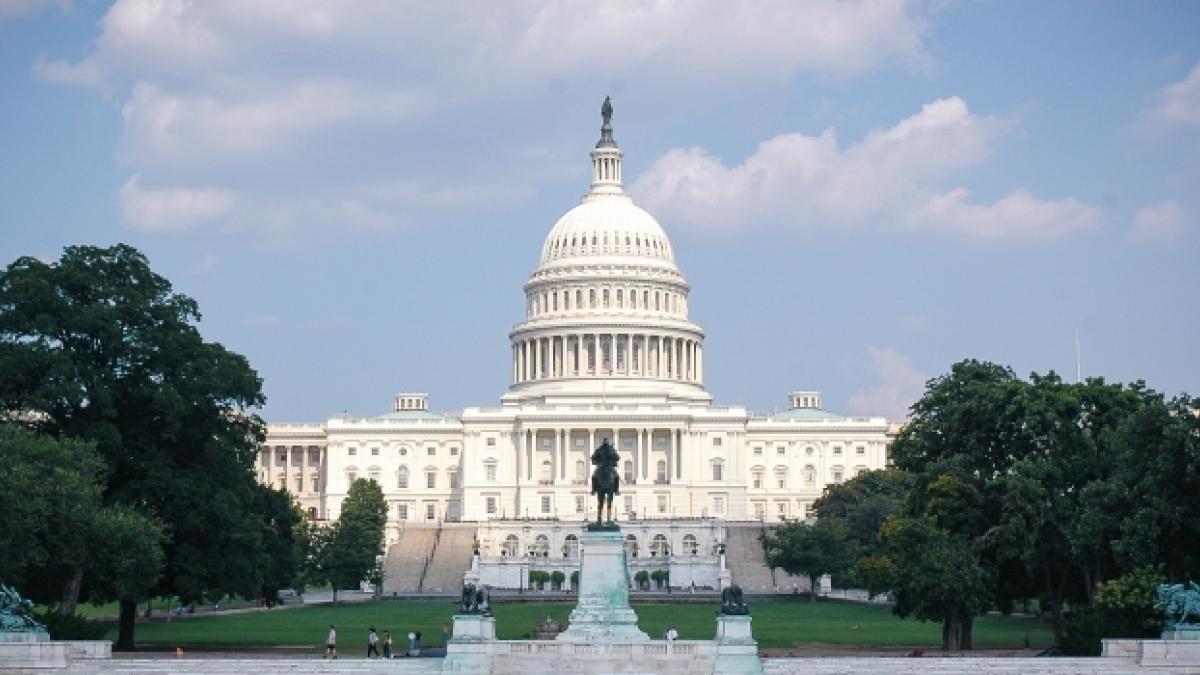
x: 605, y: 481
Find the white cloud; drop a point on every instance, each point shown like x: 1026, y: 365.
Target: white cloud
x: 1017, y: 217
x: 1178, y: 104
x: 899, y: 385
x: 280, y: 98
x: 171, y: 209
x: 1161, y: 222
x: 913, y: 323
x: 892, y: 176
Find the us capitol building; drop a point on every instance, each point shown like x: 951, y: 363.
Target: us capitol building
x: 606, y: 349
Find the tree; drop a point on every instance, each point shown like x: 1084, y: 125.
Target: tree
x: 641, y: 578
x: 556, y: 579
x: 356, y: 540
x: 97, y: 346
x: 57, y: 528
x: 934, y: 574
x: 862, y: 504
x: 811, y: 550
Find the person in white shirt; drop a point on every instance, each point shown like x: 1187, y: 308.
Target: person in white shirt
x: 331, y: 643
x: 672, y: 634
x: 372, y: 643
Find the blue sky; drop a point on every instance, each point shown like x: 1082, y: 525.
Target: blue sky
x: 859, y: 193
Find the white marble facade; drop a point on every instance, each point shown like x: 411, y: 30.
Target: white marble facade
x: 606, y: 349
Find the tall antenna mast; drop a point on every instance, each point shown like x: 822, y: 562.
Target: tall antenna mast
x: 1078, y: 359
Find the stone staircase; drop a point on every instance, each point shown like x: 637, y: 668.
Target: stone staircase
x: 405, y: 561
x: 744, y: 558
x: 451, y: 558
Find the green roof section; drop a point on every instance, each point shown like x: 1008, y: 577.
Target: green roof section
x: 808, y: 415
x: 411, y: 415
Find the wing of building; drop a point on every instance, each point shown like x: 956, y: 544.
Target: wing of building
x: 606, y: 349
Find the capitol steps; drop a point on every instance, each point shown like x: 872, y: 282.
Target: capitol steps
x: 451, y: 559
x: 406, y: 559
x: 744, y: 558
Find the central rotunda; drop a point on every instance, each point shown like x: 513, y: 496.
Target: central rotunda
x: 606, y: 350
x: 607, y: 307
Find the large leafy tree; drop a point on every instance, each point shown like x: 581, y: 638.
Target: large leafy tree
x: 862, y: 504
x: 350, y: 549
x: 97, y: 346
x: 57, y: 528
x: 815, y: 550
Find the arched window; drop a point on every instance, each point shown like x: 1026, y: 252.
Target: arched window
x: 690, y: 547
x: 511, y: 546
x: 620, y: 298
x: 631, y: 546
x: 591, y: 298
x: 571, y: 546
x: 604, y: 295
x: 541, y: 546
x: 658, y: 546
x: 810, y: 474
x: 578, y: 298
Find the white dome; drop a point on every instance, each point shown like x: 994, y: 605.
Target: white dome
x: 607, y: 226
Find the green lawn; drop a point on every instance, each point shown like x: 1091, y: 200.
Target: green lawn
x: 777, y: 623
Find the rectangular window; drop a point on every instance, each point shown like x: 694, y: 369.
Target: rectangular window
x: 454, y: 452
x: 546, y: 442
x: 629, y: 505
x: 781, y: 508
x: 430, y: 511
x: 431, y: 450
x: 860, y: 451
x: 760, y: 510
x: 545, y: 503
x: 719, y: 505
x: 580, y: 442
x: 780, y: 450
x: 718, y: 441
x: 491, y: 441
x: 580, y: 503
x: 453, y: 480
x: 352, y: 451
x: 660, y: 441
x: 757, y: 480
x: 314, y: 457
x: 626, y: 442
x: 489, y: 471
x: 491, y: 506
x: 781, y: 481
x: 837, y: 449
x: 402, y: 511
x: 662, y: 503
x: 375, y: 452
x: 430, y: 479
x: 717, y: 471
x: 758, y: 449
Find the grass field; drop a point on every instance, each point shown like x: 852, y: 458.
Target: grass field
x: 777, y: 623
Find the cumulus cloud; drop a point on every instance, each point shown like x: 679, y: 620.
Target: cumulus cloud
x: 1178, y: 104
x: 1161, y: 222
x: 899, y: 384
x: 309, y: 97
x: 892, y: 176
x: 171, y: 209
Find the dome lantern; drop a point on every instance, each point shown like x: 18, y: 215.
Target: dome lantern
x: 606, y: 158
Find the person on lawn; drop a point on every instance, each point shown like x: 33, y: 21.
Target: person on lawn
x: 331, y: 643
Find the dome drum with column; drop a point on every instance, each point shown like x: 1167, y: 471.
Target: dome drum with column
x: 607, y: 302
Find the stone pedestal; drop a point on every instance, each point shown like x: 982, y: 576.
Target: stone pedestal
x: 471, y: 644
x: 603, y: 613
x: 737, y: 651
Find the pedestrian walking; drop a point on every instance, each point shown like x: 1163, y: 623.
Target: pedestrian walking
x: 445, y: 634
x: 387, y: 645
x: 417, y: 644
x: 372, y: 643
x: 331, y: 643
x: 672, y: 634
x: 412, y: 644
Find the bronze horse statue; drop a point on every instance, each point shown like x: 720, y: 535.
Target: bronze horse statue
x: 606, y: 482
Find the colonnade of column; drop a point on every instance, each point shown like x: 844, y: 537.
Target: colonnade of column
x: 608, y: 355
x: 655, y: 455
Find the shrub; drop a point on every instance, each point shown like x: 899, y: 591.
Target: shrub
x: 71, y: 627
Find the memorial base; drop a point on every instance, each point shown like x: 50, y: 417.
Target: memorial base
x: 603, y: 613
x: 737, y: 651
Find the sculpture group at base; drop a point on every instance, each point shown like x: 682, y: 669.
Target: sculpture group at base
x: 1179, y: 603
x: 16, y: 613
x: 475, y: 601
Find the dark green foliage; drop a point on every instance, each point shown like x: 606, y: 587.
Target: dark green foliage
x: 97, y: 346
x: 1083, y: 628
x: 72, y: 627
x: 811, y: 550
x: 353, y: 544
x: 862, y: 504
